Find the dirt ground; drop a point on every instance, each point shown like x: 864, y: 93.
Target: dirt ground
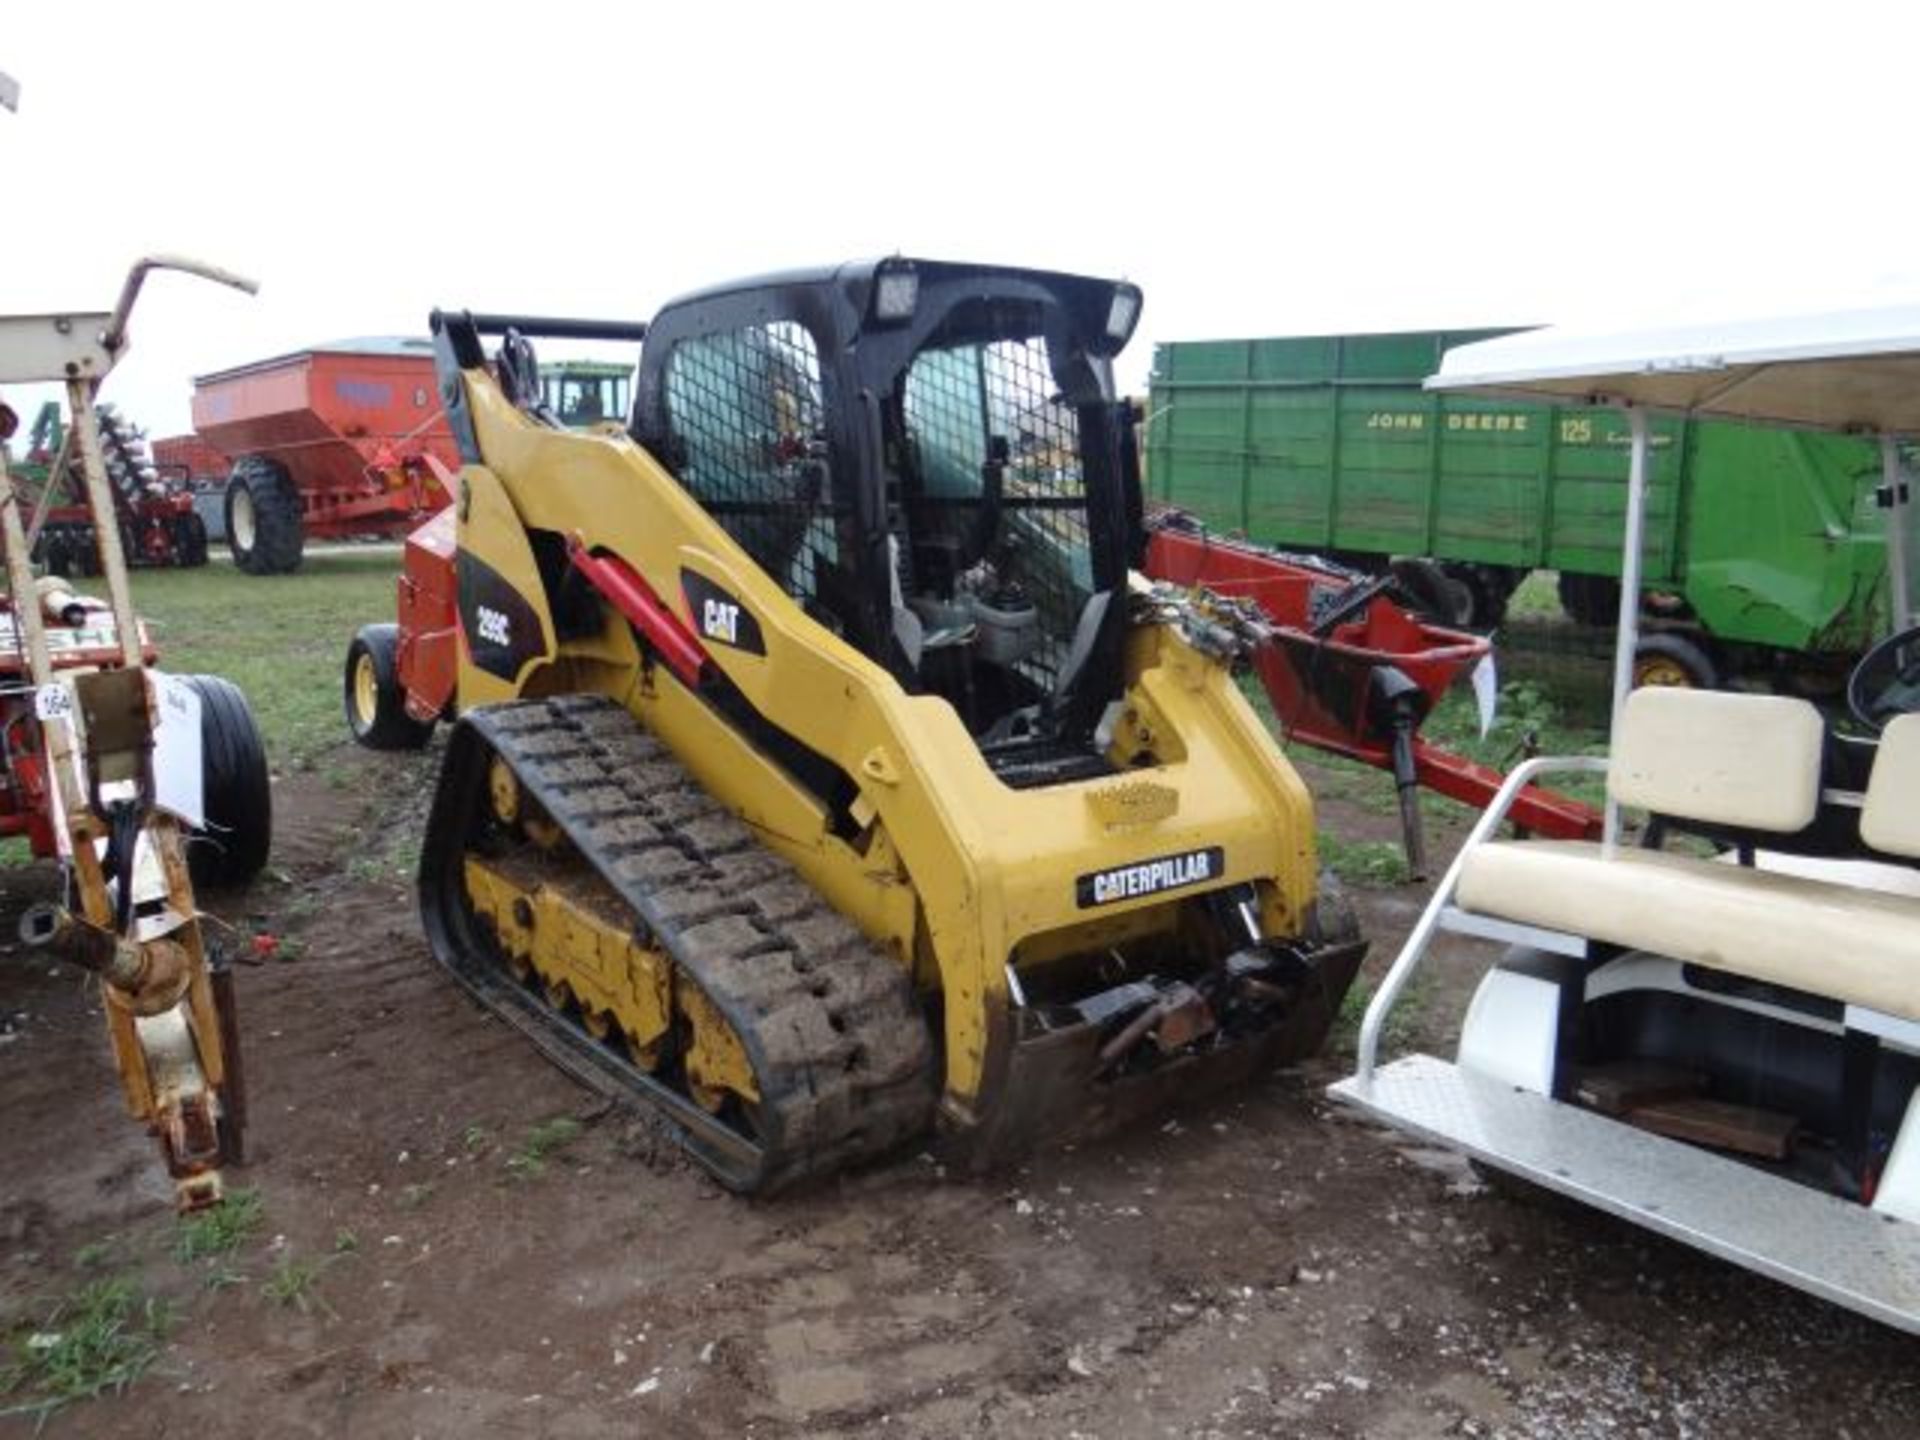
x: 1261, y: 1266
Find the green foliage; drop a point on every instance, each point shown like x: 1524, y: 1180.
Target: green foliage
x: 96, y: 1341
x: 1366, y: 864
x: 221, y: 1229
x: 282, y: 639
x: 1532, y: 717
x: 1538, y: 598
x: 291, y: 1283
x: 1396, y: 1035
x: 543, y: 1140
x: 417, y: 1194
x: 96, y: 1255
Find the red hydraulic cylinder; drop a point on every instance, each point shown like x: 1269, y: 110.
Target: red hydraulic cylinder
x: 634, y: 598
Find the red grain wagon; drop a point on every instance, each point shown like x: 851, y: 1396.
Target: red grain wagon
x: 190, y: 456
x: 336, y: 440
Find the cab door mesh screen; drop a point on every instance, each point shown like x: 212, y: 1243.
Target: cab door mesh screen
x: 745, y: 412
x: 975, y: 410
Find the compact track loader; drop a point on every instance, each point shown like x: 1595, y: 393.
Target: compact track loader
x: 820, y: 761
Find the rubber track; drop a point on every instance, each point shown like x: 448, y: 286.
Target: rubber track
x: 839, y: 1047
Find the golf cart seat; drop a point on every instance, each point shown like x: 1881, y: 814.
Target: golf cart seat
x: 1745, y: 761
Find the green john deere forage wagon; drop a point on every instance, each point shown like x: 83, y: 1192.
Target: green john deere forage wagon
x: 1765, y: 548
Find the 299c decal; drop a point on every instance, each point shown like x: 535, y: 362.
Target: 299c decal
x: 492, y: 626
x: 503, y: 631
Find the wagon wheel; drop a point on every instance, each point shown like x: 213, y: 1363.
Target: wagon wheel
x: 1674, y: 661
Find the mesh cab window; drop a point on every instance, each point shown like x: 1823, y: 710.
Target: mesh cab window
x: 997, y: 493
x: 745, y: 413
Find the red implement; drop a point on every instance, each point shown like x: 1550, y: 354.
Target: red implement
x: 1350, y: 671
x: 192, y: 457
x: 80, y: 636
x: 352, y: 424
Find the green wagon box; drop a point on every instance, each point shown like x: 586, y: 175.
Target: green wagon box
x: 1765, y: 547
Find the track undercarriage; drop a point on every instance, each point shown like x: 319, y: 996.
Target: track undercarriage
x: 585, y: 889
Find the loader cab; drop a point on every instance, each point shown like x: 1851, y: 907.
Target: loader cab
x: 932, y: 460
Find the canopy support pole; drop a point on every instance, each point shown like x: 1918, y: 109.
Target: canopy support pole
x: 1894, y: 502
x: 1627, y: 638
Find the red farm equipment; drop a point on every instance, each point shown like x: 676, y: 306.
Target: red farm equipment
x: 190, y: 456
x: 1351, y: 671
x: 344, y: 439
x: 152, y: 503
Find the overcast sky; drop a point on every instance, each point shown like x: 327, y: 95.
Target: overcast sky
x: 1257, y: 169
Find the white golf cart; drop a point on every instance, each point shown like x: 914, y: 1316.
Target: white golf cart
x: 1725, y: 1050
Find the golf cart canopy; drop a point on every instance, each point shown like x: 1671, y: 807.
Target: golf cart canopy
x: 1851, y: 370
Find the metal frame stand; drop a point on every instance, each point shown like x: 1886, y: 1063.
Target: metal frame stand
x: 173, y: 1045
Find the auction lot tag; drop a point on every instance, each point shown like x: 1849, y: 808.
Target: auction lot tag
x: 53, y: 701
x: 178, y: 777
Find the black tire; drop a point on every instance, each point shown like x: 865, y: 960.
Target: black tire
x: 189, y: 541
x: 1431, y: 592
x: 370, y: 693
x: 1670, y: 659
x: 238, y: 795
x: 1489, y: 587
x: 1590, y: 599
x: 269, y: 536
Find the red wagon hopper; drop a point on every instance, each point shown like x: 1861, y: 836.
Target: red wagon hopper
x: 343, y: 439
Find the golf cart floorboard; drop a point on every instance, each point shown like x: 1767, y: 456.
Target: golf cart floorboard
x: 1829, y: 1247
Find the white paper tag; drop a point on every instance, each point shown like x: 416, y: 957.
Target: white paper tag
x: 1486, y: 692
x: 177, y: 779
x: 53, y: 701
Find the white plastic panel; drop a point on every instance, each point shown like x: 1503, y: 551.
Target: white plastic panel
x: 1512, y: 1030
x: 1899, y: 1192
x: 1863, y: 1259
x: 1891, y: 819
x: 1751, y: 760
x: 1849, y: 944
x: 36, y: 348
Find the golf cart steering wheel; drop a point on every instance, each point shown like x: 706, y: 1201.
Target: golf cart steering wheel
x: 1886, y: 682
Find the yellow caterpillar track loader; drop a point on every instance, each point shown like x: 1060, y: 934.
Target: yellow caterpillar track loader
x: 821, y: 765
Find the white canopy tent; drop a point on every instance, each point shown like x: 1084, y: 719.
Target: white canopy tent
x: 1853, y: 371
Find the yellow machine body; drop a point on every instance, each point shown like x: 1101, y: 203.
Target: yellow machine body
x: 964, y: 879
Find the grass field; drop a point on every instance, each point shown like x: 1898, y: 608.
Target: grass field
x: 282, y: 639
